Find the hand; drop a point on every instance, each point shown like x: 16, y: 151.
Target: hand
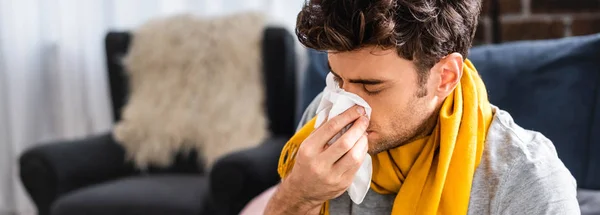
x: 323, y: 172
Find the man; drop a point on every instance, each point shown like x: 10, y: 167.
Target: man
x: 438, y: 146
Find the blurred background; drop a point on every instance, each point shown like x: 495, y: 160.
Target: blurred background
x: 513, y: 20
x: 53, y: 79
x: 54, y: 84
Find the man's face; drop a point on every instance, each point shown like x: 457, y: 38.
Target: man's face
x: 403, y: 110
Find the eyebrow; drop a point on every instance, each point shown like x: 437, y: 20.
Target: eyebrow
x: 358, y: 81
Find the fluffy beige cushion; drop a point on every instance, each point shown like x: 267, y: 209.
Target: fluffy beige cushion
x: 195, y: 83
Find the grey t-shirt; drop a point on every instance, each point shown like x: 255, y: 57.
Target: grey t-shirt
x: 519, y: 173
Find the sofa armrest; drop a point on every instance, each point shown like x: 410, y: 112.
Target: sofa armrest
x: 238, y: 177
x: 53, y: 169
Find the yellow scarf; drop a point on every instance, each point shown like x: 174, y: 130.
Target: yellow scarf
x: 431, y: 175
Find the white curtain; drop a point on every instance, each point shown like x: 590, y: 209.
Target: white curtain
x: 53, y: 83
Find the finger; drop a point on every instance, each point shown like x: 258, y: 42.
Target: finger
x: 325, y: 132
x: 347, y: 141
x: 351, y: 161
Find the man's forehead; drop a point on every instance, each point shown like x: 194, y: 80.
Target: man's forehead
x: 368, y: 76
x: 370, y: 66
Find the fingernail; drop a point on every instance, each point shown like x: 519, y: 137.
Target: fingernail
x: 361, y: 110
x: 364, y: 119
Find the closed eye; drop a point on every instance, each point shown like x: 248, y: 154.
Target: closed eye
x: 340, y: 83
x: 365, y: 84
x: 371, y: 93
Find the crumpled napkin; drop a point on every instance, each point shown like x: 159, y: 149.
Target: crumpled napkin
x: 335, y: 101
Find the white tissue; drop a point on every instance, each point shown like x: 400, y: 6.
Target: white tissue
x: 335, y: 101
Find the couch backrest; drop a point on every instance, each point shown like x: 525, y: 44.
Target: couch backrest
x: 116, y: 45
x: 279, y: 68
x: 551, y: 86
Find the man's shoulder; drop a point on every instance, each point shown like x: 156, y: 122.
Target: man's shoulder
x: 526, y: 169
x: 509, y: 144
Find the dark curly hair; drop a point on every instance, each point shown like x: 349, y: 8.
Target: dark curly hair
x: 422, y: 31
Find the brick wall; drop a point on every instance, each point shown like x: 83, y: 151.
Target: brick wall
x: 540, y: 19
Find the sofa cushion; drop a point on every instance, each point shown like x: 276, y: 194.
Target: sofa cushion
x: 149, y: 195
x: 593, y: 178
x: 313, y: 78
x: 548, y: 86
x: 589, y: 200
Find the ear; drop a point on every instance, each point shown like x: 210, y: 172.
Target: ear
x: 450, y: 70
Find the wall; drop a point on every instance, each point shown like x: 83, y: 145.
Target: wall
x: 540, y: 19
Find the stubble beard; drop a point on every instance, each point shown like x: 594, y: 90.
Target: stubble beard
x: 405, y: 134
x: 400, y: 139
